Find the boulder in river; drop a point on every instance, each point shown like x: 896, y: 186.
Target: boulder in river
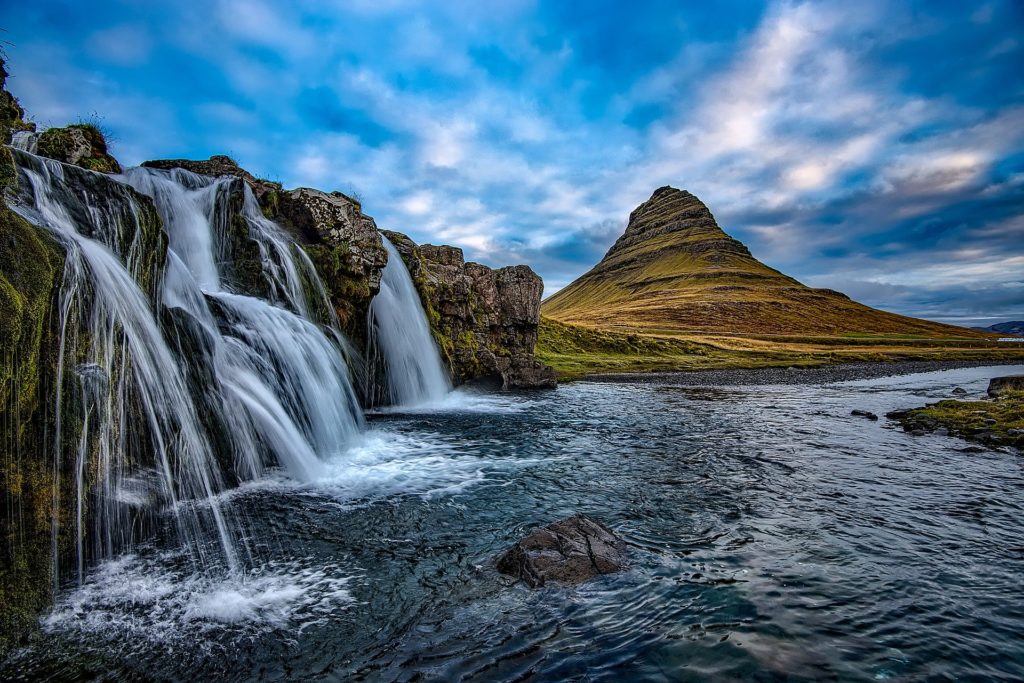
x: 998, y: 386
x: 569, y: 551
x: 864, y: 413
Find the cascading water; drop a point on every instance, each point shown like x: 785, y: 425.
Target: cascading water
x: 131, y: 384
x: 25, y: 140
x: 400, y: 331
x: 282, y: 377
x: 168, y: 399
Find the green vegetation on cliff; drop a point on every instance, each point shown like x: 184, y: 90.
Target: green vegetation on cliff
x: 81, y: 144
x: 30, y: 270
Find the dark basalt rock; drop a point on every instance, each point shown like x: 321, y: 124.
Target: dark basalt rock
x: 569, y: 551
x: 864, y: 413
x: 959, y: 391
x: 998, y: 386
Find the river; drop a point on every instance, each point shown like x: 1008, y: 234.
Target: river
x: 772, y: 535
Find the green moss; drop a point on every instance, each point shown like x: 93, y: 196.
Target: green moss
x: 244, y: 264
x: 996, y: 422
x: 8, y: 171
x: 54, y: 143
x: 270, y: 203
x: 30, y: 268
x: 348, y: 290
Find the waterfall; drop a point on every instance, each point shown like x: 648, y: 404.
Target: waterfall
x: 399, y: 329
x: 281, y: 375
x: 174, y: 376
x: 131, y: 382
x: 25, y: 140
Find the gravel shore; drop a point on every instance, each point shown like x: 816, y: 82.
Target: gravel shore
x: 816, y: 375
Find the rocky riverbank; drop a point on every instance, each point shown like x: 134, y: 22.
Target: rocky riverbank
x: 996, y: 422
x: 791, y: 375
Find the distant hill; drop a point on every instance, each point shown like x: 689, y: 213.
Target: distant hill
x: 1011, y: 327
x: 674, y: 270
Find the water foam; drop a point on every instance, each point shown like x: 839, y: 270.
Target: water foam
x: 159, y: 599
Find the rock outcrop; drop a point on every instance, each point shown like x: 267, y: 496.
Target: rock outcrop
x: 485, y: 320
x: 343, y: 243
x: 80, y: 144
x: 1000, y: 386
x: 569, y: 551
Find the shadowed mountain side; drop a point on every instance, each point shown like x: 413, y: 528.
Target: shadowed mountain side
x: 675, y: 270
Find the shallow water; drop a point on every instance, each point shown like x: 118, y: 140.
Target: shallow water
x: 772, y: 536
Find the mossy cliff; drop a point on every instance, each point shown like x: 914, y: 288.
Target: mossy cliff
x: 30, y: 273
x: 37, y: 475
x: 30, y: 268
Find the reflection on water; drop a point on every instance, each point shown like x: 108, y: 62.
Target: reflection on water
x: 772, y: 535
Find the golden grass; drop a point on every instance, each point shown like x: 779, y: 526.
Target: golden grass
x: 575, y: 350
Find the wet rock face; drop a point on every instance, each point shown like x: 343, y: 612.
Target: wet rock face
x: 485, y: 320
x: 998, y: 386
x: 569, y: 551
x: 336, y: 220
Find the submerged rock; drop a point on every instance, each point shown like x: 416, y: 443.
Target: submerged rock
x: 864, y: 413
x: 959, y: 391
x: 569, y: 551
x: 998, y: 386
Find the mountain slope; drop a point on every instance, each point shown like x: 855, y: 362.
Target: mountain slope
x: 674, y: 270
x: 1010, y: 327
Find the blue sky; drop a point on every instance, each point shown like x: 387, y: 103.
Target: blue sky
x: 874, y: 148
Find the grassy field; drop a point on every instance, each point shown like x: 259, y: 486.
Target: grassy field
x: 574, y: 350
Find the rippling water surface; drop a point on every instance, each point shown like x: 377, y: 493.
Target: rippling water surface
x: 773, y: 536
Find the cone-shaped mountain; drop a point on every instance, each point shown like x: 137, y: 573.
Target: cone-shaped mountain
x: 675, y: 270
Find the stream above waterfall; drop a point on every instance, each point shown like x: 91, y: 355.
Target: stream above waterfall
x: 771, y: 534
